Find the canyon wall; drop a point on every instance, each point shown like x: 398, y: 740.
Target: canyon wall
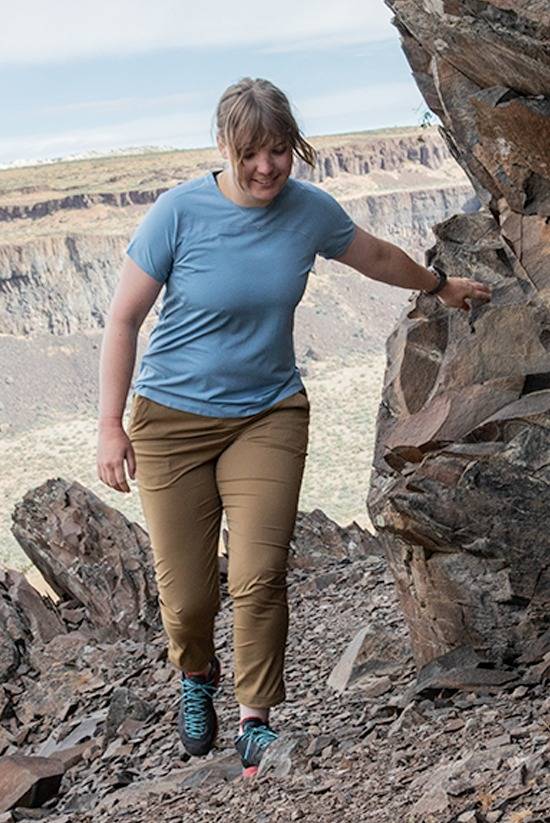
x: 60, y: 256
x: 64, y: 284
x: 378, y: 154
x: 361, y: 156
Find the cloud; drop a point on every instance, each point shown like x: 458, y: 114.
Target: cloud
x: 36, y: 32
x: 121, y: 104
x: 186, y: 126
x: 184, y: 129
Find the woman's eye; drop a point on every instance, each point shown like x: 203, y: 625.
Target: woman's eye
x: 279, y: 150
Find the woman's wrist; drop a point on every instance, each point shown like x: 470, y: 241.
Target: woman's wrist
x: 440, y: 282
x: 110, y: 422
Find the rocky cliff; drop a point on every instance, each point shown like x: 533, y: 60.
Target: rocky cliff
x: 460, y: 489
x: 359, y: 156
x: 60, y: 255
x: 377, y: 154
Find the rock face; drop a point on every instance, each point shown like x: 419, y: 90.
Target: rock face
x: 460, y: 489
x: 315, y: 535
x: 58, y: 285
x: 24, y: 616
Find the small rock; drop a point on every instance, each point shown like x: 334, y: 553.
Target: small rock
x: 376, y: 686
x: 318, y: 744
x: 124, y: 704
x: 454, y: 724
x: 501, y: 740
x: 433, y: 801
x: 373, y: 651
x: 28, y: 781
x: 461, y: 668
x: 519, y: 692
x: 283, y: 755
x: 410, y: 718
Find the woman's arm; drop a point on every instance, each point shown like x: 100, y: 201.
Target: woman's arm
x: 134, y: 296
x: 383, y: 261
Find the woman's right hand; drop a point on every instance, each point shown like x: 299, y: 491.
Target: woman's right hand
x: 113, y: 448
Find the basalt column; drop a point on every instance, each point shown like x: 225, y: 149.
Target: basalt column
x: 460, y: 488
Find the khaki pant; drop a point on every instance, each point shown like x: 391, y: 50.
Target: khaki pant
x: 189, y: 468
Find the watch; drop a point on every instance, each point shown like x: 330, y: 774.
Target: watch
x: 441, y: 280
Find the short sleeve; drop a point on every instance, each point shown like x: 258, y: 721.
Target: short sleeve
x: 152, y: 246
x: 336, y: 229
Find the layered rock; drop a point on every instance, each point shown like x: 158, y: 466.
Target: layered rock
x: 460, y: 489
x: 25, y: 616
x: 59, y: 285
x: 91, y: 554
x: 376, y: 154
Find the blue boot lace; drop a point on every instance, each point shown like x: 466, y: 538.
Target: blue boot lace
x: 196, y: 701
x: 260, y: 736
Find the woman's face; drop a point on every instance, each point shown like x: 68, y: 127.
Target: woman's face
x: 265, y: 170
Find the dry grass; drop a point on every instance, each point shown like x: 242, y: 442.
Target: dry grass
x: 116, y: 173
x: 344, y: 403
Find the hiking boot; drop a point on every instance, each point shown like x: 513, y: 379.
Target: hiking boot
x: 251, y: 744
x: 197, y: 720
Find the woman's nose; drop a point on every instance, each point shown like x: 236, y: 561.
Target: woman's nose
x: 264, y: 164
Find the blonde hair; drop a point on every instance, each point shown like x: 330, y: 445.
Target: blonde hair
x: 253, y: 112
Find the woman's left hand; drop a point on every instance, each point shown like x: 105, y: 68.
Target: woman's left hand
x: 457, y: 290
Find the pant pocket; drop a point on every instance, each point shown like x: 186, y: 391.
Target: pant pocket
x: 137, y: 412
x: 299, y: 400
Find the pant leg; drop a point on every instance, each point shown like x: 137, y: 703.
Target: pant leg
x: 259, y: 478
x: 175, y: 472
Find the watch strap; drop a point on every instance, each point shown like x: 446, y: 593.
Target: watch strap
x: 442, y: 279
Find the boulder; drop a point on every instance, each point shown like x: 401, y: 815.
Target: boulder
x: 317, y: 538
x: 90, y: 553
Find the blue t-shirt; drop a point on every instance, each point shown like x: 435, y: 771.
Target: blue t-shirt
x: 223, y: 343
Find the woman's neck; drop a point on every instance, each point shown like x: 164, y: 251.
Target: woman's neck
x: 228, y: 188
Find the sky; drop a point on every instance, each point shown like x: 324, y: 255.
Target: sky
x: 103, y: 75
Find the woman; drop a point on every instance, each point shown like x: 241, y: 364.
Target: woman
x: 220, y: 414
